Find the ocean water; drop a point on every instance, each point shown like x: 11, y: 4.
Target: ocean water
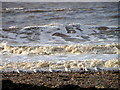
x: 72, y: 35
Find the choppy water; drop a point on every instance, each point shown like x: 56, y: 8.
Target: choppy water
x: 59, y: 35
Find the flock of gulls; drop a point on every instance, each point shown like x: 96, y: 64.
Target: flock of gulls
x: 82, y: 69
x: 50, y: 68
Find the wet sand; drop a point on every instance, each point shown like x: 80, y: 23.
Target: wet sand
x: 107, y: 80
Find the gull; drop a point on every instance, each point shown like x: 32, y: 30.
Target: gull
x: 35, y: 70
x: 86, y: 69
x: 97, y: 69
x: 50, y: 70
x: 66, y: 69
x: 19, y: 71
x: 89, y: 69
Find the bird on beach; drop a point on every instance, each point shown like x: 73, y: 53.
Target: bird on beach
x: 35, y: 70
x: 19, y: 71
x: 66, y: 69
x: 97, y: 69
x: 50, y: 70
x: 86, y: 69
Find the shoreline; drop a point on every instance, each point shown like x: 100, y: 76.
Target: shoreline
x: 106, y: 80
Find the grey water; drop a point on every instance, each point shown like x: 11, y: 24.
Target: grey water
x: 37, y: 35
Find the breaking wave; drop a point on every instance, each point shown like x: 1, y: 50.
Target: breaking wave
x: 62, y: 40
x: 64, y: 49
x: 57, y: 36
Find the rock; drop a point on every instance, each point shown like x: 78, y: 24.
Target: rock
x: 103, y: 28
x: 60, y: 35
x: 70, y: 29
x: 8, y: 85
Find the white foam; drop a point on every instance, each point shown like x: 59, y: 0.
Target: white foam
x: 43, y: 34
x: 114, y: 63
x: 38, y: 47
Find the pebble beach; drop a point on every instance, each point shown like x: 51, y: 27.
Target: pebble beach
x: 107, y: 80
x: 59, y: 45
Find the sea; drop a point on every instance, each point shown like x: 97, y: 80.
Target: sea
x: 49, y: 36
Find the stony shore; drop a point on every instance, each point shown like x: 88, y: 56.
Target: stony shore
x: 107, y: 80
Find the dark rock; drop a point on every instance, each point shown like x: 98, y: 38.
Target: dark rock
x: 8, y: 85
x: 60, y: 35
x: 116, y: 16
x: 85, y: 37
x: 78, y: 27
x: 103, y: 28
x: 70, y: 29
x: 58, y: 28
